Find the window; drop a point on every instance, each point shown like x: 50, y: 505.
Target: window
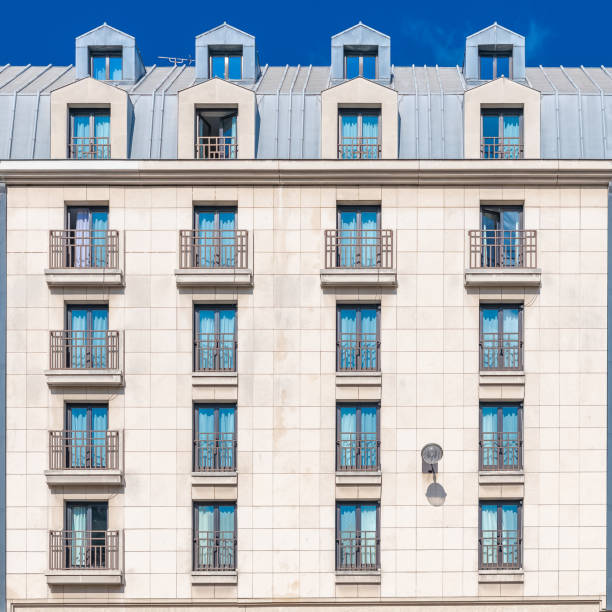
x: 86, y: 535
x: 215, y: 437
x: 359, y: 134
x: 87, y: 240
x: 89, y: 342
x: 226, y: 64
x: 494, y: 63
x: 359, y: 242
x: 500, y: 537
x: 357, y: 437
x: 357, y: 536
x: 214, y: 527
x: 358, y: 341
x: 215, y: 339
x: 502, y: 133
x: 501, y: 337
x: 360, y: 61
x: 501, y: 437
x: 502, y: 237
x: 216, y: 134
x: 88, y: 442
x: 215, y: 237
x: 89, y: 134
x: 106, y: 65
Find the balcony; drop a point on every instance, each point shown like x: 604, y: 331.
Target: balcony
x: 209, y: 258
x: 214, y: 559
x: 84, y: 558
x: 89, y: 147
x: 84, y: 258
x: 215, y: 360
x: 216, y: 147
x: 503, y: 258
x: 84, y: 458
x: 499, y: 550
x: 501, y: 147
x: 501, y: 451
x: 358, y: 557
x: 357, y: 452
x: 359, y: 258
x: 87, y: 358
x: 215, y: 452
x: 359, y: 147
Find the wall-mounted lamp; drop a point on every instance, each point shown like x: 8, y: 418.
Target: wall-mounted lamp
x: 431, y: 455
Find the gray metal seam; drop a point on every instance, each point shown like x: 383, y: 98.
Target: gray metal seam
x: 163, y: 102
x: 261, y: 78
x: 441, y: 108
x: 461, y: 77
x: 282, y: 80
x: 144, y: 78
x: 297, y: 72
x: 602, y: 107
x: 15, y: 76
x: 580, y: 117
x: 56, y: 79
x: 45, y: 69
x: 304, y: 109
x: 35, y: 126
x: 153, y: 93
x: 428, y: 114
x: 556, y: 110
x: 416, y: 107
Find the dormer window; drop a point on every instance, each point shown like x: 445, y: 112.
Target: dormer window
x: 360, y: 61
x: 106, y: 65
x: 501, y: 133
x: 226, y: 63
x: 216, y: 134
x: 89, y: 134
x: 494, y: 62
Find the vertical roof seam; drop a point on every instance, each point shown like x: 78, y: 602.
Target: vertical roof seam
x: 144, y: 78
x: 45, y: 69
x: 602, y: 106
x: 580, y: 117
x: 556, y: 91
x: 304, y: 110
x: 15, y: 76
x: 261, y: 78
x: 277, y: 110
x: 441, y: 109
x: 297, y: 72
x: 416, y: 110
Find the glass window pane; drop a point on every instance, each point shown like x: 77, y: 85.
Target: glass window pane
x: 503, y: 66
x: 490, y: 126
x: 98, y: 67
x: 486, y: 67
x: 115, y: 68
x: 217, y: 67
x: 352, y: 66
x: 369, y: 66
x: 235, y: 67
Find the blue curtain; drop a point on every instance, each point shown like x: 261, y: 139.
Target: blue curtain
x: 489, y: 223
x: 78, y: 556
x: 228, y: 126
x: 206, y: 239
x: 511, y: 224
x: 206, y: 341
x: 490, y: 338
x: 512, y: 131
x: 102, y: 134
x: 489, y: 436
x: 206, y: 536
x: 348, y: 433
x: 510, y: 425
x: 510, y: 533
x: 227, y: 325
x: 227, y: 227
x: 347, y: 341
x: 81, y: 240
x: 206, y: 437
x: 369, y: 227
x: 490, y: 133
x: 99, y: 426
x: 368, y: 535
x: 78, y: 338
x: 226, y: 535
x: 368, y: 339
x: 349, y: 134
x: 510, y: 339
x: 78, y: 437
x: 347, y: 237
x: 368, y: 436
x: 348, y: 535
x: 81, y: 134
x: 227, y: 418
x: 99, y: 348
x: 488, y: 521
x: 99, y: 226
x: 369, y: 130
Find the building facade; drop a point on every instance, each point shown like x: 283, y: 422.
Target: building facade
x: 280, y: 337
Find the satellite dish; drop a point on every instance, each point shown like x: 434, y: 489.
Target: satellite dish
x: 431, y: 453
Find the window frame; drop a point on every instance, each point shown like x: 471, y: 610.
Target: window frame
x: 107, y: 55
x: 500, y: 113
x: 73, y: 209
x: 226, y: 55
x: 494, y: 54
x: 196, y: 431
x: 88, y: 406
x: 216, y: 518
x: 360, y: 112
x: 89, y: 307
x: 500, y: 322
x: 358, y: 406
x: 360, y: 55
x: 500, y: 411
x: 358, y: 504
x: 358, y: 307
x: 500, y: 209
x: 519, y: 527
x: 92, y: 113
x: 197, y: 306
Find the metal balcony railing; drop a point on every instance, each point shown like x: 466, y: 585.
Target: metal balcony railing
x: 363, y: 147
x: 216, y: 147
x: 83, y: 450
x: 84, y: 550
x: 358, y: 352
x: 83, y: 249
x: 501, y: 450
x: 499, y: 549
x: 501, y: 147
x: 358, y: 248
x: 213, y: 249
x: 501, y: 351
x: 358, y: 451
x: 215, y: 353
x: 503, y: 248
x: 214, y: 550
x: 357, y: 550
x: 84, y: 349
x: 215, y: 452
x: 89, y: 147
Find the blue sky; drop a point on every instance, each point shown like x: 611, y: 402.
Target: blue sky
x: 427, y: 32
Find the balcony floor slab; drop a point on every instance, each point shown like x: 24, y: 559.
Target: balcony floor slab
x: 358, y: 277
x: 214, y: 277
x: 57, y: 478
x: 84, y: 277
x: 503, y: 277
x: 84, y: 378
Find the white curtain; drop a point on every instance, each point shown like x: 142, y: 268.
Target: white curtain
x: 79, y: 536
x: 81, y: 240
x: 488, y: 521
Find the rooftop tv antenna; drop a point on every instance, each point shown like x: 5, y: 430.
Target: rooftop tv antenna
x: 178, y: 61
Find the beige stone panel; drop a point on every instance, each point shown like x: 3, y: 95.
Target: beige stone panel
x: 89, y: 93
